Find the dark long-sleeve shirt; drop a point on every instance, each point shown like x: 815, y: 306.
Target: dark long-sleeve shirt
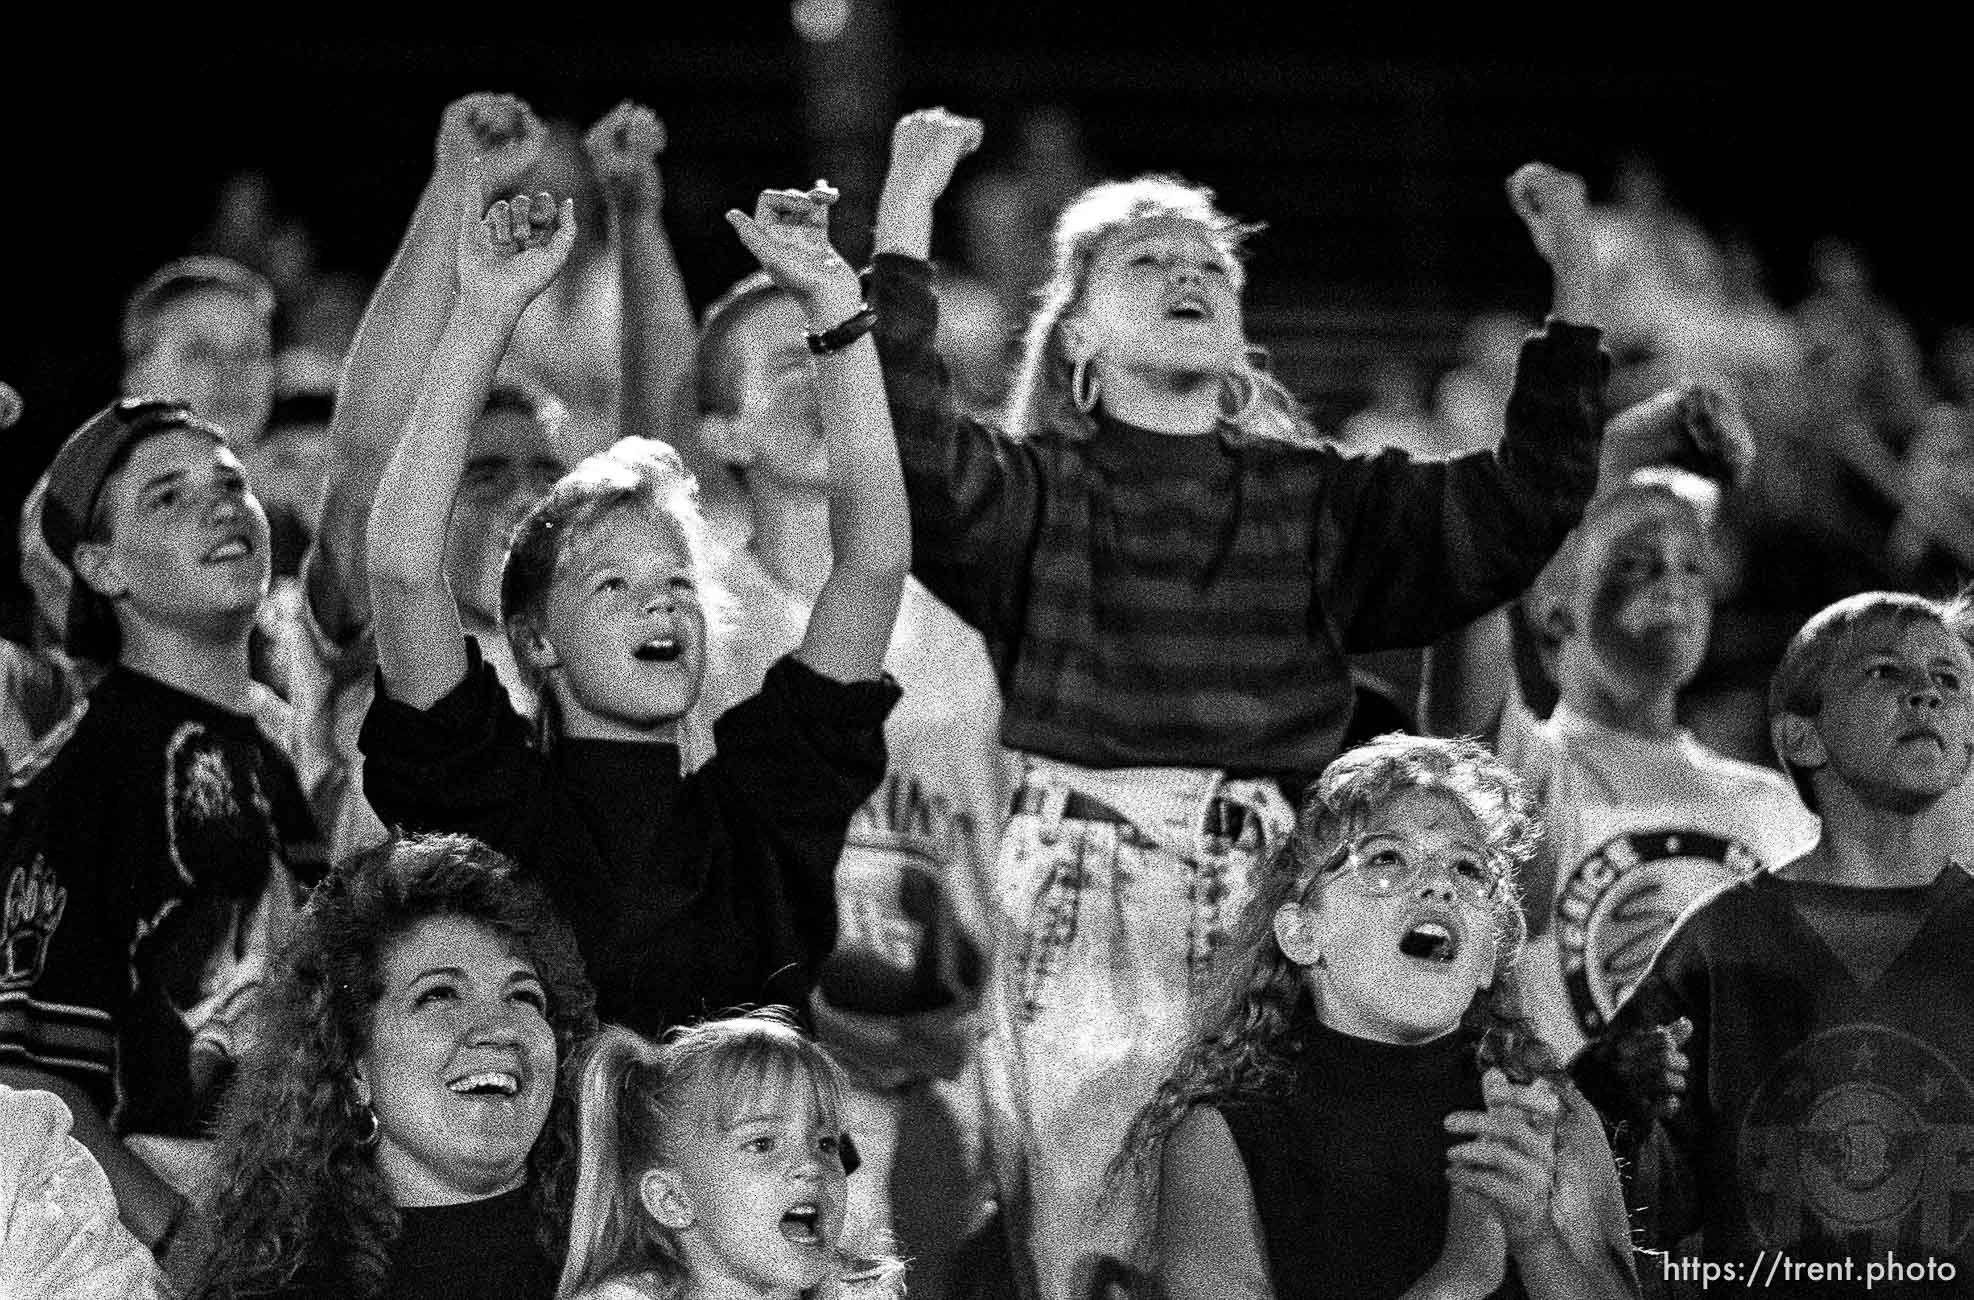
x: 1152, y: 600
x: 690, y: 894
x: 1828, y: 1111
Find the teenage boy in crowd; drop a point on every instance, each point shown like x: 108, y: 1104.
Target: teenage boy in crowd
x: 1642, y: 817
x: 199, y: 331
x: 1828, y: 1113
x: 151, y: 850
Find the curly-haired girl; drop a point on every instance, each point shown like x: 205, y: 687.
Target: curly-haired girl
x: 714, y: 1165
x: 1301, y: 1146
x: 404, y: 1128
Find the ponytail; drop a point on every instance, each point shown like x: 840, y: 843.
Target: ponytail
x: 617, y: 1098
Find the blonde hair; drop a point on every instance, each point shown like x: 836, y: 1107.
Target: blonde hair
x: 637, y: 1099
x: 1042, y: 397
x: 646, y: 477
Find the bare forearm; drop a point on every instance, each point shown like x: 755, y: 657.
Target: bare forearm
x: 401, y: 325
x: 414, y: 496
x: 904, y: 223
x: 869, y: 516
x: 657, y: 347
x: 145, y: 1202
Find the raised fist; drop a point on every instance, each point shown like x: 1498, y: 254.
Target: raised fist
x: 508, y: 255
x: 1552, y: 203
x: 623, y: 147
x: 789, y: 235
x: 925, y: 148
x: 500, y: 131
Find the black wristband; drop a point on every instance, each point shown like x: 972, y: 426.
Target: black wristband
x: 838, y: 337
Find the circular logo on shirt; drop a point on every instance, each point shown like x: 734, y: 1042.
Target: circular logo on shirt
x: 1616, y: 905
x: 1864, y: 1130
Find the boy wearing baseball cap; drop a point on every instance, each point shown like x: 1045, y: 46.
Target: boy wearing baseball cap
x: 149, y: 848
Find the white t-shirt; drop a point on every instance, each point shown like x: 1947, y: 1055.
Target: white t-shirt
x: 1640, y: 829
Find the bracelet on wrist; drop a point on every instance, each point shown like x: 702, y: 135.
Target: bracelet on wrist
x: 838, y: 337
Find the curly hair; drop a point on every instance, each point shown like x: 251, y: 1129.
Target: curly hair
x: 1248, y: 1036
x: 636, y: 1100
x: 1042, y: 395
x: 298, y: 1199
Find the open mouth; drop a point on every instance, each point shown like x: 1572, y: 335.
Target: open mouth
x: 487, y: 1083
x: 803, y: 1224
x: 1923, y: 733
x: 1432, y: 941
x: 232, y: 548
x: 1189, y: 308
x: 658, y: 650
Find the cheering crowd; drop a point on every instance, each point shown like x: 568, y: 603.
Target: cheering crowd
x: 558, y: 797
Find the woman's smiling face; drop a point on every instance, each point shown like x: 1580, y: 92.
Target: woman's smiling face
x: 461, y: 1064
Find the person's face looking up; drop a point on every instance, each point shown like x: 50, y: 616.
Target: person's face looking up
x: 1402, y: 965
x: 1162, y: 298
x: 188, y: 541
x: 460, y: 1067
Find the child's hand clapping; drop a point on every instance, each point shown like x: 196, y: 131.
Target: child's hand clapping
x: 1510, y: 1161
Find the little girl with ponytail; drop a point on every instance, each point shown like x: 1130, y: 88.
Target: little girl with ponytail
x: 712, y: 1162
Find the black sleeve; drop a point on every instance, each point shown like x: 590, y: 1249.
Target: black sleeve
x: 467, y: 764
x: 975, y: 492
x: 1660, y: 1156
x: 1409, y: 550
x: 794, y: 762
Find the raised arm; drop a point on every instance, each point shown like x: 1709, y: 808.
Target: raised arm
x: 1485, y: 523
x: 926, y: 147
x: 394, y: 342
x: 658, y: 331
x: 869, y: 521
x: 503, y: 260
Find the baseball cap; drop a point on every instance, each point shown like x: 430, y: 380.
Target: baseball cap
x: 75, y: 484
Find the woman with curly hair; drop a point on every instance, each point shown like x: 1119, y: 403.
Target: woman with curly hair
x: 408, y: 1130
x: 1364, y: 1112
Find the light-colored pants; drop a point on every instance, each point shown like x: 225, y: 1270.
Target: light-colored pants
x: 1111, y: 930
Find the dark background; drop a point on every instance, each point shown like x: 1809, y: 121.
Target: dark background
x: 1376, y: 158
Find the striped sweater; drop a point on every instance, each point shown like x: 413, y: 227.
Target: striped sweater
x: 1159, y: 601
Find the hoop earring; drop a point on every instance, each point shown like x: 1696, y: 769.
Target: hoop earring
x: 372, y: 1130
x: 1240, y: 395
x: 1084, y: 389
